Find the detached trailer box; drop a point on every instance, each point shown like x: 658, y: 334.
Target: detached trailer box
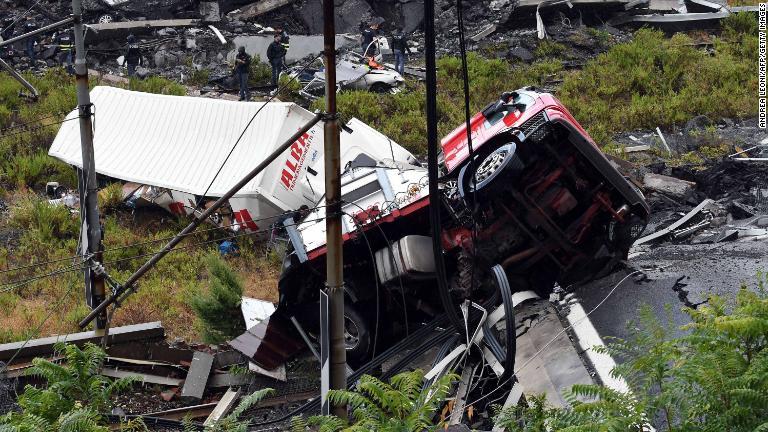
x: 177, y: 144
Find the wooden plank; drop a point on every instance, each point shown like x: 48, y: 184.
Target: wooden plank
x: 197, y: 378
x: 117, y: 335
x: 196, y: 411
x: 145, y: 378
x: 223, y: 407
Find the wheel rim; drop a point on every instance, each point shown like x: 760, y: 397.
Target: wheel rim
x: 351, y: 334
x: 490, y: 165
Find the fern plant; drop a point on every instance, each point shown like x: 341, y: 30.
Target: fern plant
x: 402, y: 406
x: 232, y: 422
x: 73, y: 398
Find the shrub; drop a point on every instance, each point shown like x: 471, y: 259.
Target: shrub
x: 219, y: 309
x: 401, y: 405
x: 199, y: 77
x: 30, y: 170
x: 261, y: 73
x: 110, y: 197
x: 75, y: 395
x: 158, y: 85
x: 47, y: 222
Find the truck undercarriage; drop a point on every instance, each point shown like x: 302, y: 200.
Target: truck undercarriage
x: 534, y: 195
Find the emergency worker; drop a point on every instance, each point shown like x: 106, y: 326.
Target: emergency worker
x: 133, y: 55
x: 369, y: 34
x: 30, y: 25
x: 285, y: 40
x: 401, y: 50
x: 276, y: 56
x: 242, y: 70
x: 66, y: 45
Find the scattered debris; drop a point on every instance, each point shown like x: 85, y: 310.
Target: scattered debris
x: 197, y: 378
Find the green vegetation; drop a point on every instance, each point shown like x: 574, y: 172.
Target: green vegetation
x: 712, y: 378
x: 74, y: 397
x: 199, y: 77
x: 158, y: 85
x: 402, y: 406
x: 219, y: 309
x: 648, y: 82
x: 232, y: 422
x: 261, y: 72
x: 654, y: 81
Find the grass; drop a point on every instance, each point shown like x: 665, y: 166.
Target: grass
x: 43, y: 233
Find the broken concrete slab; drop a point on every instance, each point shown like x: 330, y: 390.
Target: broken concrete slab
x: 301, y: 46
x: 197, y: 378
x: 260, y: 8
x: 552, y: 366
x: 671, y: 186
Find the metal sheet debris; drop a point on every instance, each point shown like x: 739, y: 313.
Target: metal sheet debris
x: 658, y: 235
x: 255, y: 310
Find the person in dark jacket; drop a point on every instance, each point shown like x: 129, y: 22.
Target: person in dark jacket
x: 30, y: 25
x: 285, y: 40
x: 369, y: 34
x: 401, y: 50
x: 133, y: 56
x: 275, y: 55
x: 242, y: 69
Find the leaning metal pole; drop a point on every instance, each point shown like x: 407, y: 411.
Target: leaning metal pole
x: 88, y: 186
x: 335, y: 273
x: 130, y: 283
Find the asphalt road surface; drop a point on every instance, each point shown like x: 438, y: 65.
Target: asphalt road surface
x: 673, y: 277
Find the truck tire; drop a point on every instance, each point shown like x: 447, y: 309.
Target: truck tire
x: 487, y: 168
x: 357, y: 335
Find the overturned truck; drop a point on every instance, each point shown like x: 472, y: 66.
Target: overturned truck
x: 535, y: 195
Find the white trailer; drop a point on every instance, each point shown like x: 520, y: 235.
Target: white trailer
x: 179, y: 145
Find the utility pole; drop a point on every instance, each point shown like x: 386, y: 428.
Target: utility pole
x: 90, y: 227
x: 335, y: 273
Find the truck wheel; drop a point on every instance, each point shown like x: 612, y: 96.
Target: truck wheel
x: 357, y: 337
x: 487, y: 169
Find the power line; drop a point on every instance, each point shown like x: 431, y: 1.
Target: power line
x: 128, y: 246
x: 20, y: 125
x: 37, y: 128
x: 18, y: 284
